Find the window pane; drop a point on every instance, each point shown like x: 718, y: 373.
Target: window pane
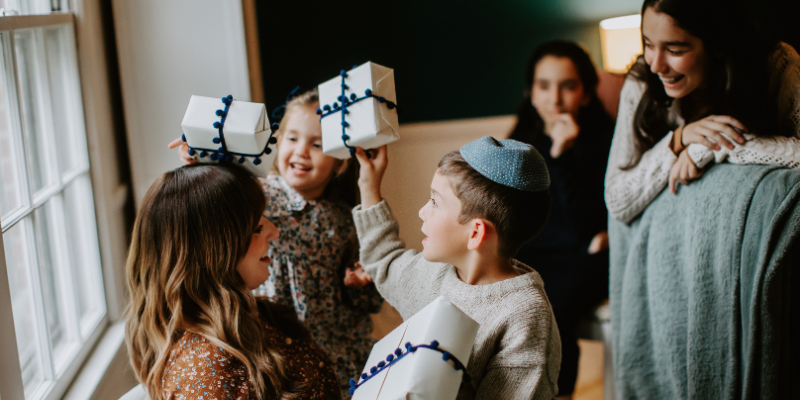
x: 10, y: 189
x: 53, y: 290
x: 60, y: 5
x: 83, y: 246
x: 28, y: 71
x: 18, y: 265
x: 65, y: 100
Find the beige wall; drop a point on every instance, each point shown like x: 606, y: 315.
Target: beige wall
x: 413, y: 160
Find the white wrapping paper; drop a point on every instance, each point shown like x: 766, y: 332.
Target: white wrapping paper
x: 246, y: 131
x: 371, y: 123
x: 422, y: 374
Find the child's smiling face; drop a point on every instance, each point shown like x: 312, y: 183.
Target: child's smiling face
x: 300, y: 159
x: 446, y: 239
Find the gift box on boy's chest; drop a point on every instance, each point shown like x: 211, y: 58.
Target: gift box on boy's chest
x: 358, y: 108
x: 424, y: 358
x: 228, y: 131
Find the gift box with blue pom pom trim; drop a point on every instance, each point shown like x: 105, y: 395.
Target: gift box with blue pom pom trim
x: 226, y: 130
x: 358, y: 108
x: 431, y: 347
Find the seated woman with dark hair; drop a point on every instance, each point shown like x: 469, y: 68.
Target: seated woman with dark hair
x: 562, y: 117
x: 194, y: 328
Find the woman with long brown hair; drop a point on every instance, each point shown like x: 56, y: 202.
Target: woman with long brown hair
x: 709, y: 87
x: 194, y: 328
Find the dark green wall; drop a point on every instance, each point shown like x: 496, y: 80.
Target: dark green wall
x: 452, y: 59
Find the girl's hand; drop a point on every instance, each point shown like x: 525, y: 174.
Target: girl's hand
x: 599, y: 243
x: 563, y: 134
x: 356, y: 278
x: 371, y: 174
x: 183, y: 153
x: 708, y: 132
x: 683, y: 171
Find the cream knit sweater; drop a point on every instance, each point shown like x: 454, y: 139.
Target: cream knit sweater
x: 517, y: 352
x: 629, y: 192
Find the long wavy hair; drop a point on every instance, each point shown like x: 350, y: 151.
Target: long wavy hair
x: 737, y: 83
x: 529, y: 123
x: 194, y: 226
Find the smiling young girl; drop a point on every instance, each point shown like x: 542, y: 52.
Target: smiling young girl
x: 310, y: 202
x: 708, y: 81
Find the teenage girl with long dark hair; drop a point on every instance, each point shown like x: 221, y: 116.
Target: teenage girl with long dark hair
x: 562, y: 117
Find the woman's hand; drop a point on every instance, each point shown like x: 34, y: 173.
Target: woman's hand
x: 563, y: 134
x: 683, y: 171
x: 709, y: 132
x: 599, y: 243
x: 371, y: 174
x: 356, y: 277
x: 183, y: 152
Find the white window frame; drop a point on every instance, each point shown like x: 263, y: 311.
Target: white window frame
x: 110, y: 247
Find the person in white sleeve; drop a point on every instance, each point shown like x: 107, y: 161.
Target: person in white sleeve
x: 708, y: 88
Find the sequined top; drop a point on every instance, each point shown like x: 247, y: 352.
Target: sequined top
x: 199, y: 370
x: 317, y: 242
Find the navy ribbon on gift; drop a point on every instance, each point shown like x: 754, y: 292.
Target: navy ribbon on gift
x: 327, y: 110
x: 398, y: 354
x: 222, y: 154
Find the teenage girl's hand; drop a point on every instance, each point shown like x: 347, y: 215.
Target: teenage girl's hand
x: 371, y: 174
x: 356, y: 278
x: 708, y: 132
x: 683, y: 171
x: 183, y: 152
x: 563, y: 134
x: 599, y: 243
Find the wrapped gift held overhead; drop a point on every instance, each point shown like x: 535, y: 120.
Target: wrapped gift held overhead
x: 424, y: 358
x: 358, y: 109
x: 228, y: 131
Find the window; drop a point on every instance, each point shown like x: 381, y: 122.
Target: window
x: 49, y: 232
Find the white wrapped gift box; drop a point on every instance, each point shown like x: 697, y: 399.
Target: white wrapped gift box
x: 396, y: 371
x: 228, y: 131
x: 361, y: 104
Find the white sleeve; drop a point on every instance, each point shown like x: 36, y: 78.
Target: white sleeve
x: 777, y: 150
x: 629, y: 191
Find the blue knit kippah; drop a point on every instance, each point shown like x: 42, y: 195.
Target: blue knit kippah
x: 508, y: 162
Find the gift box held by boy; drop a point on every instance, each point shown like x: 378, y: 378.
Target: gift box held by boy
x: 487, y: 199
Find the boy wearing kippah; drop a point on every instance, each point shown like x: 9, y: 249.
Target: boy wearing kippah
x: 487, y: 199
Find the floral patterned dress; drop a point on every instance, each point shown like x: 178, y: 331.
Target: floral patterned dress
x: 199, y: 370
x: 317, y: 242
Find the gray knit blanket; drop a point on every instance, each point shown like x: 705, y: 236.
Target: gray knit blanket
x: 700, y: 289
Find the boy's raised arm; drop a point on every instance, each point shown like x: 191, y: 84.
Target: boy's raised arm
x: 403, y: 277
x: 371, y: 170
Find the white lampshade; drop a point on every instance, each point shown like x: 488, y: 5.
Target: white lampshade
x: 621, y: 42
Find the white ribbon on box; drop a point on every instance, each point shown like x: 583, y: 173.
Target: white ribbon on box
x: 358, y: 109
x: 420, y: 359
x: 238, y: 133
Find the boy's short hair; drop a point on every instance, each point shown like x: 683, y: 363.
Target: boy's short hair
x: 517, y: 215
